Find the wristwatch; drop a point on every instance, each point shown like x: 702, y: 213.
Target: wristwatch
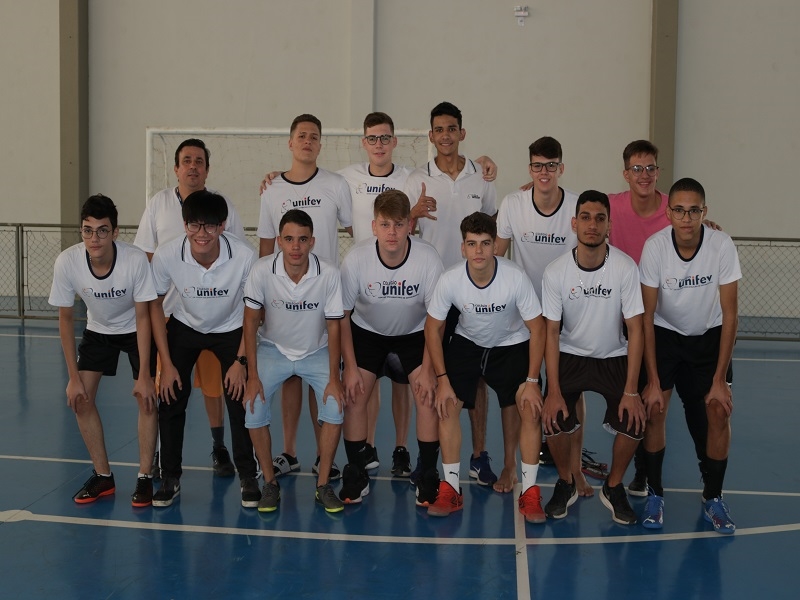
x: 242, y: 360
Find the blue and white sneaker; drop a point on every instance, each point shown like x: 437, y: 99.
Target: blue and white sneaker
x: 716, y: 512
x: 653, y: 515
x: 480, y: 470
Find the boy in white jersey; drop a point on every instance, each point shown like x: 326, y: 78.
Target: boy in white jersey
x: 499, y: 337
x: 447, y: 189
x: 325, y: 196
x: 115, y: 283
x: 208, y: 268
x: 387, y: 283
x: 539, y: 220
x: 689, y: 274
x: 300, y: 295
x: 586, y: 295
x: 161, y: 222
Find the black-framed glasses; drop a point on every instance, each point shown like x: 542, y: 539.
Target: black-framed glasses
x: 680, y: 212
x: 88, y: 232
x: 209, y: 227
x: 551, y: 166
x: 373, y: 139
x: 639, y: 169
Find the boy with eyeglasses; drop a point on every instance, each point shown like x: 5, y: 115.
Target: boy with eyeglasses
x: 209, y: 269
x: 689, y: 275
x: 114, y: 281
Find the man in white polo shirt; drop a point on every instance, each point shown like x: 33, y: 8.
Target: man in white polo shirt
x: 499, y: 337
x: 387, y: 283
x: 446, y: 190
x: 325, y: 196
x: 208, y: 268
x: 301, y: 296
x: 689, y: 276
x: 114, y: 281
x: 587, y: 294
x: 161, y: 222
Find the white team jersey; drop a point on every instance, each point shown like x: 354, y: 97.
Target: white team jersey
x: 390, y: 301
x: 110, y: 300
x: 491, y: 316
x: 592, y: 313
x: 296, y: 313
x: 325, y: 197
x: 688, y: 295
x: 455, y: 200
x: 538, y: 239
x: 209, y: 300
x: 162, y: 221
x: 364, y: 188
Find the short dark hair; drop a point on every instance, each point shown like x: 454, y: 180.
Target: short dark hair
x: 638, y: 147
x: 593, y: 196
x: 687, y: 184
x: 392, y: 204
x: 446, y: 109
x: 193, y: 143
x: 298, y: 217
x: 100, y: 207
x: 545, y: 146
x: 478, y: 223
x: 378, y: 118
x: 203, y: 206
x: 305, y: 118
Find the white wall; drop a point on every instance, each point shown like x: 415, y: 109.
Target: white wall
x: 737, y: 129
x: 29, y: 111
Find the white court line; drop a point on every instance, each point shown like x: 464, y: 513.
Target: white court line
x: 520, y: 541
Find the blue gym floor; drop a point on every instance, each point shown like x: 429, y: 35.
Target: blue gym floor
x: 206, y: 545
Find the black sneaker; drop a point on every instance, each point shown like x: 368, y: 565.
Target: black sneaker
x: 169, y: 490
x: 372, y: 458
x: 401, y: 462
x: 564, y: 495
x: 616, y: 501
x: 638, y: 487
x: 355, y: 484
x: 221, y: 462
x: 251, y: 495
x: 427, y: 487
x: 95, y: 487
x: 270, y: 496
x: 143, y: 495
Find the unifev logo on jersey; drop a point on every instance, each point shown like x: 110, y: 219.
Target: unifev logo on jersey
x: 392, y: 289
x: 374, y: 190
x: 483, y: 308
x: 306, y: 202
x: 551, y: 239
x: 596, y: 291
x: 103, y: 295
x: 201, y: 292
x: 692, y: 281
x: 301, y: 306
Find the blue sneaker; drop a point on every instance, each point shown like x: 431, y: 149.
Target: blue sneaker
x: 716, y: 512
x: 653, y: 516
x: 480, y: 470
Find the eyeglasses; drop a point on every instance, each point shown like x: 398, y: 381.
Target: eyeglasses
x: 88, y: 232
x: 209, y: 227
x: 680, y: 212
x: 639, y: 169
x: 551, y: 166
x: 373, y: 139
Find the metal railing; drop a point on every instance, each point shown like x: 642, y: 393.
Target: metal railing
x: 769, y: 305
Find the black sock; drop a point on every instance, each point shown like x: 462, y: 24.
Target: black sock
x: 428, y: 455
x: 218, y: 436
x: 714, y: 476
x: 356, y: 453
x: 653, y: 464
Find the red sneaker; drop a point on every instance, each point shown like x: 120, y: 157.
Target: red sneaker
x: 447, y: 501
x: 530, y: 505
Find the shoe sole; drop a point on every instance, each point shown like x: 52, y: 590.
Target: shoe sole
x: 637, y: 493
x: 373, y: 465
x: 443, y: 512
x: 536, y: 520
x: 572, y: 500
x: 141, y: 504
x: 264, y: 509
x: 595, y: 473
x: 165, y: 503
x: 364, y: 492
x: 250, y: 503
x: 328, y: 509
x: 607, y: 503
x: 475, y: 475
x: 100, y: 495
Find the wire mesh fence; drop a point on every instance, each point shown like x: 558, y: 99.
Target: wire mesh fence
x: 769, y: 306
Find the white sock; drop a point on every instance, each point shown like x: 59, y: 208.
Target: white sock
x: 529, y: 473
x: 451, y: 474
